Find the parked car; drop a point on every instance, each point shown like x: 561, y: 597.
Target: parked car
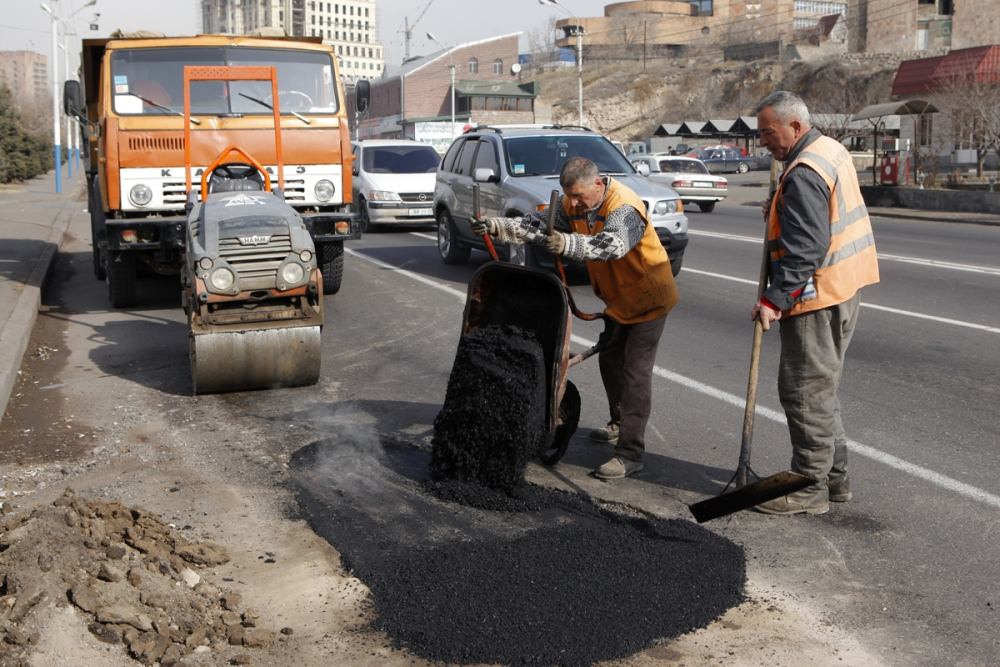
x: 394, y: 181
x: 725, y: 159
x: 688, y: 177
x: 517, y: 169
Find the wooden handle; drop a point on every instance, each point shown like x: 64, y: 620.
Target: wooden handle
x: 475, y: 216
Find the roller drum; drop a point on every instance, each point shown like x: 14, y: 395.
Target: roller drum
x: 256, y: 359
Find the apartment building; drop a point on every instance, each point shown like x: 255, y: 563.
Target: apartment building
x: 347, y: 25
x: 26, y: 74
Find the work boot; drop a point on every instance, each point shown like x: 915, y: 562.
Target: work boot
x: 607, y: 433
x: 840, y: 489
x: 801, y: 502
x: 617, y: 468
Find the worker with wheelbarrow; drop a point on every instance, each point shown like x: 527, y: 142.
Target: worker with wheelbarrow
x: 630, y: 272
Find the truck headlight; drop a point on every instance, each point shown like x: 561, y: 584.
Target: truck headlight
x: 305, y: 256
x: 140, y: 194
x: 383, y: 195
x: 222, y: 279
x: 205, y: 263
x: 665, y: 206
x: 292, y: 273
x: 324, y: 190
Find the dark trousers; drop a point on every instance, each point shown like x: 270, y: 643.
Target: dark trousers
x: 627, y: 371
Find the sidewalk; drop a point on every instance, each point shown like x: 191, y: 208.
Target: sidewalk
x: 935, y: 216
x: 33, y: 220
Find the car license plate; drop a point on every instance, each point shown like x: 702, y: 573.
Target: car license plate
x: 702, y: 184
x: 414, y: 212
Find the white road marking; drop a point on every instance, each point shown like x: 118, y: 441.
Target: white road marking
x: 989, y: 270
x: 865, y: 304
x: 902, y: 465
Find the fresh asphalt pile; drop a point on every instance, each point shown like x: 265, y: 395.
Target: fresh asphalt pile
x: 493, y: 418
x: 555, y: 578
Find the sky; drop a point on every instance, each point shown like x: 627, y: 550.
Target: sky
x: 24, y: 25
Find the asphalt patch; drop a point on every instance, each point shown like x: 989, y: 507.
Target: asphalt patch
x: 493, y: 418
x: 553, y: 578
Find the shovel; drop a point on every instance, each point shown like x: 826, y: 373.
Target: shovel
x: 475, y: 216
x: 747, y: 493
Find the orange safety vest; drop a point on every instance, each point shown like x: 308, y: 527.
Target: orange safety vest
x: 850, y: 262
x: 638, y: 287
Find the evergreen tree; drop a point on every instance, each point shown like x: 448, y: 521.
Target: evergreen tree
x: 23, y: 155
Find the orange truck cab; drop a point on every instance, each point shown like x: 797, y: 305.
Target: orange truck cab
x: 131, y: 104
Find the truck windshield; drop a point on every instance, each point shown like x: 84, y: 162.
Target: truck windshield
x: 545, y: 155
x: 151, y: 81
x: 401, y: 160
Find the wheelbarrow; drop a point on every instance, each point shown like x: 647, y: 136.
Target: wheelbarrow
x: 539, y: 302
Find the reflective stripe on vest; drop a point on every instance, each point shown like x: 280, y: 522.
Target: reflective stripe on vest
x: 638, y: 287
x: 850, y: 262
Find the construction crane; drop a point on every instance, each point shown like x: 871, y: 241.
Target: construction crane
x: 408, y: 29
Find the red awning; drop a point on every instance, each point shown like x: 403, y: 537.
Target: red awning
x: 980, y: 64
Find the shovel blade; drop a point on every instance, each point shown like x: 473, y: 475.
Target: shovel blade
x: 769, y: 488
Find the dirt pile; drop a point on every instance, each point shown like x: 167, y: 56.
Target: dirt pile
x: 493, y: 418
x: 135, y: 579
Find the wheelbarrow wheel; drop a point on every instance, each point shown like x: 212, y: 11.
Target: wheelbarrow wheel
x: 569, y: 416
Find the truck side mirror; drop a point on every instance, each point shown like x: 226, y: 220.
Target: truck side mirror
x: 362, y: 94
x: 642, y: 168
x: 72, y: 99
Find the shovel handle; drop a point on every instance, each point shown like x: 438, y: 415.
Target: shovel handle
x: 475, y: 216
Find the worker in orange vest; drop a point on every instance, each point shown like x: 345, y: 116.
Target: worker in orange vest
x: 630, y: 272
x: 822, y: 252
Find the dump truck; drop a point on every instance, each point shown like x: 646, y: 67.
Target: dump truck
x: 131, y: 105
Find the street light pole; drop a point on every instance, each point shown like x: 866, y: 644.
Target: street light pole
x: 578, y: 31
x: 56, y: 148
x: 451, y: 66
x: 69, y: 121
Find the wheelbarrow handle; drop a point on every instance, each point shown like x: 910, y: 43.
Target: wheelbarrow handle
x: 475, y: 216
x: 549, y: 228
x: 605, y: 339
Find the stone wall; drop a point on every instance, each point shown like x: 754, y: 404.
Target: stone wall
x: 961, y: 201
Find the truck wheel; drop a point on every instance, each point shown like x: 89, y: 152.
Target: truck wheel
x: 122, y: 288
x: 675, y: 265
x: 569, y: 414
x: 707, y: 206
x: 331, y: 258
x: 448, y: 246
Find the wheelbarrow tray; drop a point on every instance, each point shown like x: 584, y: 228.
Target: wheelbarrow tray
x: 533, y: 300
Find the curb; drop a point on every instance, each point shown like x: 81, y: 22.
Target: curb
x: 955, y: 217
x: 16, y: 331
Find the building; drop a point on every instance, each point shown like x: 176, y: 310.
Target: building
x: 665, y: 26
x: 348, y: 25
x: 25, y: 73
x: 413, y: 101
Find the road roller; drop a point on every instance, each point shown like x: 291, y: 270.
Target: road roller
x: 251, y: 287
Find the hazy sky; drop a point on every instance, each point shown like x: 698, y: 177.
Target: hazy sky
x: 24, y: 25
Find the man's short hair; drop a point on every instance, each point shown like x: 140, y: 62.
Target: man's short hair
x: 787, y: 106
x: 578, y: 169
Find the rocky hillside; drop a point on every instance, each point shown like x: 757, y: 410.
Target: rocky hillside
x: 626, y: 102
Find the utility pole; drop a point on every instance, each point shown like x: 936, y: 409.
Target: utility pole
x: 579, y: 73
x: 643, y: 46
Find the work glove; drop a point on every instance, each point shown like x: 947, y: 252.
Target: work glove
x: 556, y: 242
x: 484, y: 226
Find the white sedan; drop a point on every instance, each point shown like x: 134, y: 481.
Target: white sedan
x: 686, y: 175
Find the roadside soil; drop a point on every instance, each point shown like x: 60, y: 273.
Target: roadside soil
x: 108, y: 572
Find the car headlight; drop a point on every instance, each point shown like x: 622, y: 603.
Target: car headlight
x: 140, y: 194
x: 666, y: 206
x: 324, y: 190
x: 292, y: 273
x: 383, y: 195
x: 222, y: 279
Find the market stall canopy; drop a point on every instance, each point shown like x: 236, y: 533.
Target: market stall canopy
x: 900, y: 108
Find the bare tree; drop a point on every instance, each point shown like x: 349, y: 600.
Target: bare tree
x: 972, y: 105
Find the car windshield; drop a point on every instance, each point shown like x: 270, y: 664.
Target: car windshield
x: 683, y: 167
x: 545, y: 155
x: 400, y: 160
x: 151, y: 81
